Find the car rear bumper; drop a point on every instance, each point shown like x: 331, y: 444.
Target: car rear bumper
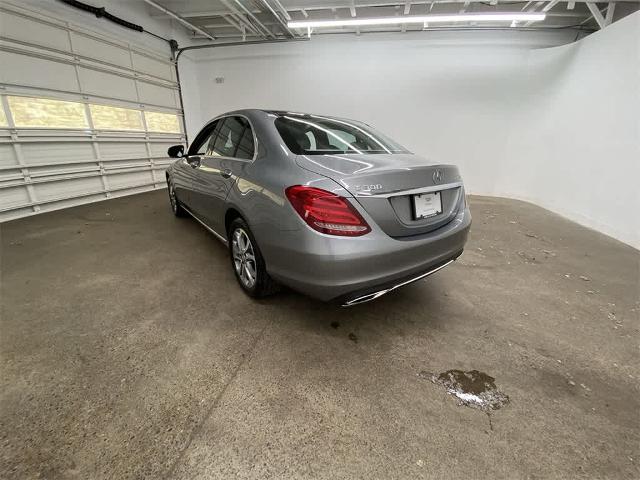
x: 341, y: 269
x: 371, y: 293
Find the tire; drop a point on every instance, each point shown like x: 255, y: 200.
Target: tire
x: 246, y: 259
x: 176, y: 208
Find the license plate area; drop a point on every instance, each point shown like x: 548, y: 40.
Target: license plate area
x: 426, y: 205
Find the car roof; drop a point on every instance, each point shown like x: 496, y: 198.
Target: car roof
x: 277, y: 113
x: 282, y: 113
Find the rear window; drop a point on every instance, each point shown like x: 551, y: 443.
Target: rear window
x: 316, y: 135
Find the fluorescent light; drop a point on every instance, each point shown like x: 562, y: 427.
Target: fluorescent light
x: 471, y: 17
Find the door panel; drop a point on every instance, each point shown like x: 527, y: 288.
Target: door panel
x: 183, y: 176
x: 211, y: 185
x: 191, y: 166
x: 228, y: 146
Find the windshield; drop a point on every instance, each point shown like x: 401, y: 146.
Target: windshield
x: 316, y: 135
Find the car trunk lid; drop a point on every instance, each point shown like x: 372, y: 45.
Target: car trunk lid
x: 386, y: 184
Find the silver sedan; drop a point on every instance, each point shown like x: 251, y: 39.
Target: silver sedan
x: 326, y: 206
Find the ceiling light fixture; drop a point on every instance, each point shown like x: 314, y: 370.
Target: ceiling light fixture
x: 470, y: 17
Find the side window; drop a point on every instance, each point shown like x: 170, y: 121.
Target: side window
x: 199, y: 145
x: 246, y: 147
x: 341, y: 139
x: 312, y: 141
x: 234, y: 139
x: 212, y: 138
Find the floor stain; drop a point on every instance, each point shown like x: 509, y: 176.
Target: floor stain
x: 335, y: 324
x: 353, y: 338
x: 473, y: 389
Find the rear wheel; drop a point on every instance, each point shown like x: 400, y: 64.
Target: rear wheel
x: 176, y: 208
x: 247, y: 261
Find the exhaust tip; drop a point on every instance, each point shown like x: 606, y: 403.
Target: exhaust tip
x: 366, y: 298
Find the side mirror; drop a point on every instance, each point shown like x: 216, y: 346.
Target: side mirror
x: 176, y: 151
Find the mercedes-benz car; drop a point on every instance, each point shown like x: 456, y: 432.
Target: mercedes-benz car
x: 326, y: 206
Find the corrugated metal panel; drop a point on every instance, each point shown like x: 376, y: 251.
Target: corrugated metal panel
x: 45, y: 168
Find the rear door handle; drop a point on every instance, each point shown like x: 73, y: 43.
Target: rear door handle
x: 225, y: 172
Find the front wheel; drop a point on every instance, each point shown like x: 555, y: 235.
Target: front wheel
x: 247, y: 261
x: 176, y: 208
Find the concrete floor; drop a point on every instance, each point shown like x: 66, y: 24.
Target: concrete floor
x: 128, y: 351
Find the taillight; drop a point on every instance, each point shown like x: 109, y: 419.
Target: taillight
x: 327, y: 212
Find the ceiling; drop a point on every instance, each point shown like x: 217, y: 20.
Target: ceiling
x: 250, y: 20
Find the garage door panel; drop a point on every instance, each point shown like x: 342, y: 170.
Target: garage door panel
x: 107, y: 84
x: 13, y: 197
x: 67, y: 188
x: 154, y: 67
x: 75, y: 138
x: 47, y: 207
x: 122, y: 150
x: 127, y: 163
x: 130, y: 191
x: 37, y: 72
x: 93, y: 48
x: 54, y: 172
x: 56, y: 152
x: 27, y: 30
x: 119, y: 180
x: 11, y: 177
x: 7, y: 155
x: 157, y: 95
x: 160, y: 149
x: 17, y: 213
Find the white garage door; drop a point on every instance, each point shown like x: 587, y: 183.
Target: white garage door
x: 84, y: 117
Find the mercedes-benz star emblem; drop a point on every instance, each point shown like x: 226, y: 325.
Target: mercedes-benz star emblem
x: 437, y: 176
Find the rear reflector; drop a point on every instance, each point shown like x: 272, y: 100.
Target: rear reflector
x: 327, y: 212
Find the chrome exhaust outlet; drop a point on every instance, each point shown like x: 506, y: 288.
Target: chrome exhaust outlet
x: 372, y: 296
x: 365, y: 298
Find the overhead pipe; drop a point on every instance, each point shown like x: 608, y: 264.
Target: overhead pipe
x: 231, y: 21
x: 237, y: 16
x: 180, y: 19
x: 284, y: 11
x: 277, y: 17
x: 233, y: 44
x: 243, y: 22
x: 254, y: 18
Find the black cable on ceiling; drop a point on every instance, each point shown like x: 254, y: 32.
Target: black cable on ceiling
x: 101, y: 12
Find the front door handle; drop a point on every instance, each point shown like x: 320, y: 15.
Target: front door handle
x: 225, y: 172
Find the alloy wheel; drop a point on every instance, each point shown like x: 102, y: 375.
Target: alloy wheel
x: 172, y: 199
x: 244, y: 259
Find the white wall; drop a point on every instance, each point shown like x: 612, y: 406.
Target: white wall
x: 580, y: 155
x: 520, y: 120
x: 447, y: 96
x: 191, y: 90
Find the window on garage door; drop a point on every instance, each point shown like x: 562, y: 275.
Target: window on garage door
x: 106, y: 117
x: 3, y: 118
x: 162, y: 122
x: 31, y: 112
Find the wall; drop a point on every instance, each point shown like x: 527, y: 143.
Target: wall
x: 505, y: 107
x: 190, y: 85
x: 427, y: 90
x: 580, y: 155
